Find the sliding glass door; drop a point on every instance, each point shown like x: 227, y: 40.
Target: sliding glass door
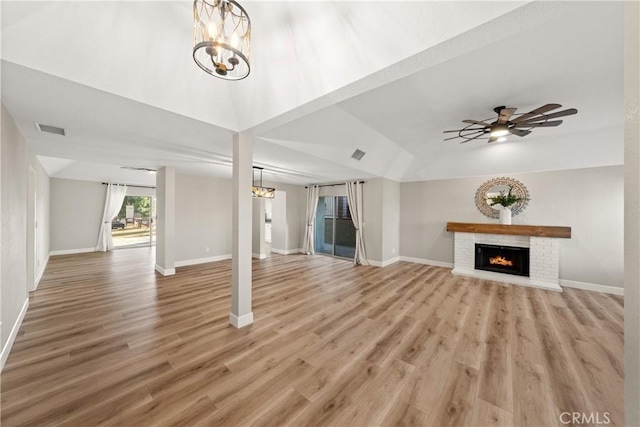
x: 135, y: 223
x: 335, y: 233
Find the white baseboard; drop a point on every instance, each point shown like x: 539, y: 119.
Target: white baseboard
x: 259, y: 256
x: 242, y: 321
x: 165, y: 271
x: 592, y: 287
x: 14, y: 333
x: 286, y: 251
x: 427, y: 262
x: 72, y: 251
x: 383, y: 263
x: 41, y: 273
x: 202, y: 260
x: 390, y: 261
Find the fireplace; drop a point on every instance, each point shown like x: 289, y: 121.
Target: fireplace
x: 502, y: 259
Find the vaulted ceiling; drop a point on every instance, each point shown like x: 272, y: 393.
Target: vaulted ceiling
x: 327, y: 78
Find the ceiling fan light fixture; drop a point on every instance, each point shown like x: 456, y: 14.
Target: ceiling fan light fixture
x: 499, y: 130
x: 221, y: 38
x: 502, y: 139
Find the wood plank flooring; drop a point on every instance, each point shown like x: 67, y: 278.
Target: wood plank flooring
x: 107, y: 341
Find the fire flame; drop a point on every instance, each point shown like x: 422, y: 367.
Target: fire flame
x: 500, y: 261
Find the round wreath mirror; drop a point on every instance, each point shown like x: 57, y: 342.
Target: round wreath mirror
x: 494, y: 187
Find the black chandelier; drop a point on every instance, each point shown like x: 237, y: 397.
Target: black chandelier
x: 260, y: 190
x: 222, y: 38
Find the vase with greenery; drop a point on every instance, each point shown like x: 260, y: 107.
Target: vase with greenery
x: 505, y: 199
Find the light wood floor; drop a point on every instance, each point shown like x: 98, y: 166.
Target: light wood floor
x: 107, y: 341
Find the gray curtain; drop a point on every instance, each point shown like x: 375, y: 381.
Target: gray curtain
x: 112, y: 205
x: 313, y: 192
x: 354, y: 198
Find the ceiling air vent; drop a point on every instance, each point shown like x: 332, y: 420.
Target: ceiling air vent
x: 51, y: 129
x: 358, y: 154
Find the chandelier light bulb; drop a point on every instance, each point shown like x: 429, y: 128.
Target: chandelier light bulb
x: 211, y: 31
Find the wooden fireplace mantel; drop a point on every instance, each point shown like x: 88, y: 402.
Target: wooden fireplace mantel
x: 514, y: 230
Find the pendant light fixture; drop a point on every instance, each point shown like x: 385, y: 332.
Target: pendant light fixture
x: 260, y: 190
x: 222, y: 38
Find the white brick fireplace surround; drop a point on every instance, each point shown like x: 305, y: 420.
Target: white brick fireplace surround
x: 543, y: 252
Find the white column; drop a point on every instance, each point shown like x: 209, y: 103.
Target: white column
x: 165, y: 225
x: 241, y: 314
x: 259, y: 247
x: 631, y: 215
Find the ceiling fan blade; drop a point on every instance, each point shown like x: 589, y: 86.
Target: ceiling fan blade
x: 471, y: 139
x: 458, y: 136
x: 475, y: 122
x: 536, y: 112
x: 472, y: 130
x: 519, y: 132
x: 563, y: 113
x: 540, y: 125
x: 492, y: 139
x: 505, y: 115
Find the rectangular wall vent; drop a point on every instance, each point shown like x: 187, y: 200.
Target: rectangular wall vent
x: 51, y: 129
x: 358, y: 154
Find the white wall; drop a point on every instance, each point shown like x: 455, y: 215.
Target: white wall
x: 372, y: 218
x: 258, y: 246
x: 76, y: 213
x: 381, y: 212
x: 14, y: 256
x: 15, y: 161
x: 390, y: 220
x: 279, y: 228
x: 202, y: 218
x: 588, y: 200
x: 632, y: 214
x: 288, y: 230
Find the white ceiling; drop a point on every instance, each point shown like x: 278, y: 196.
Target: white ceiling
x: 327, y: 78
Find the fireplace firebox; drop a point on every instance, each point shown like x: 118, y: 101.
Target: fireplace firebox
x: 502, y: 259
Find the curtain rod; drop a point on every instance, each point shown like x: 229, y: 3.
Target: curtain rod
x: 333, y: 185
x: 129, y: 185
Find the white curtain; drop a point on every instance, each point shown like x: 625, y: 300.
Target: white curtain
x: 313, y: 191
x: 112, y: 205
x: 354, y: 198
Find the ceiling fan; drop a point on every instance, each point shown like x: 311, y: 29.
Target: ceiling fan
x: 508, y: 122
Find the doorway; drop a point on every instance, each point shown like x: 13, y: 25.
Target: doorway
x: 335, y: 232
x: 135, y: 224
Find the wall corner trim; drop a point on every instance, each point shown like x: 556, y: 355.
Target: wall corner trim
x: 592, y: 287
x: 241, y: 321
x: 259, y: 256
x: 14, y: 333
x: 165, y: 271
